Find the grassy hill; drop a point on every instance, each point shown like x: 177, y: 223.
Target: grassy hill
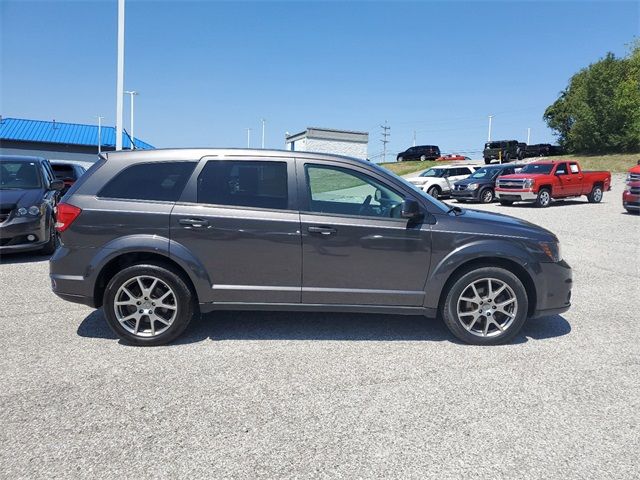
x: 618, y: 163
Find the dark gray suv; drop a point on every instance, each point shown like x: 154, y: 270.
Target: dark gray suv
x: 155, y: 236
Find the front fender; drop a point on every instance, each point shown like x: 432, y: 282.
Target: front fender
x: 443, y: 267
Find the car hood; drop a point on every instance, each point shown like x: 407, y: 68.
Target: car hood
x: 480, y: 181
x: 22, y: 198
x: 487, y: 223
x: 523, y: 176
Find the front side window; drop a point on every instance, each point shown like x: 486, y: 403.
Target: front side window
x: 348, y: 192
x: 158, y: 181
x: 562, y: 169
x: 258, y: 184
x: 20, y: 175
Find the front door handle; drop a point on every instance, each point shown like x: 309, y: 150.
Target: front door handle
x: 322, y: 230
x: 193, y: 222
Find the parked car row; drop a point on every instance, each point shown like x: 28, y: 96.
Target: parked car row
x: 30, y: 188
x: 539, y: 182
x: 504, y: 151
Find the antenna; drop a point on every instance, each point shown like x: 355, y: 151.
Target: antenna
x: 385, y: 139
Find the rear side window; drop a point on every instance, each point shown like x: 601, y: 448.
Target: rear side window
x: 159, y: 181
x: 260, y: 184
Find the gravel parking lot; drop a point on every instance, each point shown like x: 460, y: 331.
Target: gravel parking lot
x: 292, y: 395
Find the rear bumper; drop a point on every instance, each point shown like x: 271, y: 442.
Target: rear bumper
x: 553, y: 289
x: 14, y: 234
x: 516, y: 195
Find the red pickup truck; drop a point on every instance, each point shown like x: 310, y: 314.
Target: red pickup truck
x: 540, y: 182
x: 631, y: 194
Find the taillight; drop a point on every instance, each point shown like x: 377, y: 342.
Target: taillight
x: 65, y: 215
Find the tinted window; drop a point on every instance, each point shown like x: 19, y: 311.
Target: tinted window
x: 63, y: 171
x: 19, y: 175
x: 161, y: 181
x: 259, y: 184
x: 537, y: 168
x: 348, y: 192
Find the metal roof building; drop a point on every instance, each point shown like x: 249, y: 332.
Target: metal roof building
x: 58, y: 140
x: 330, y: 140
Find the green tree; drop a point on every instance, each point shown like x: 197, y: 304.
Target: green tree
x: 599, y: 112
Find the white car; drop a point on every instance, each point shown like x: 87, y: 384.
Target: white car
x: 438, y: 181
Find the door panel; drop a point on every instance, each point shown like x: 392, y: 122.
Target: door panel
x: 366, y: 258
x: 251, y: 254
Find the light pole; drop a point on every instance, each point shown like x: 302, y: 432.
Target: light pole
x: 100, y: 134
x: 248, y: 138
x: 120, y: 75
x: 263, y: 120
x: 489, y: 137
x: 528, y: 135
x: 414, y: 138
x: 132, y: 93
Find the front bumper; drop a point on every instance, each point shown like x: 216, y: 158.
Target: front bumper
x: 630, y: 201
x: 553, y: 282
x: 14, y: 233
x: 465, y: 194
x: 516, y: 195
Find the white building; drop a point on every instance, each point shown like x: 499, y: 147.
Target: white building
x: 325, y: 140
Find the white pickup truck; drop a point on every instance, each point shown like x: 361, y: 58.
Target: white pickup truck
x: 438, y: 181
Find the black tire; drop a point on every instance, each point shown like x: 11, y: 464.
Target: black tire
x: 506, y: 159
x: 633, y: 211
x: 184, y: 301
x: 461, y: 200
x: 486, y: 195
x: 423, y: 158
x: 399, y: 159
x: 487, y: 161
x: 434, y: 191
x: 506, y: 203
x: 455, y: 324
x: 595, y: 195
x: 52, y: 244
x: 543, y: 200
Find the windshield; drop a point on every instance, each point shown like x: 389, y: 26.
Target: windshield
x: 19, y: 175
x: 537, y: 168
x: 434, y: 172
x: 486, y: 173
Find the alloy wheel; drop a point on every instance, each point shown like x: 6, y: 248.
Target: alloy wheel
x: 487, y: 307
x: 145, y: 306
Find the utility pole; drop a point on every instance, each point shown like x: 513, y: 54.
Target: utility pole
x: 528, y: 135
x: 100, y: 134
x: 489, y: 137
x: 131, y: 94
x: 414, y: 138
x: 248, y: 138
x: 263, y: 120
x: 120, y: 75
x: 385, y: 139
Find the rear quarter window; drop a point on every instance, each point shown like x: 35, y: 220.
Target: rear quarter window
x: 157, y: 181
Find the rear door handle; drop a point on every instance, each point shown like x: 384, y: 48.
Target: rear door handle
x: 193, y: 222
x: 322, y: 230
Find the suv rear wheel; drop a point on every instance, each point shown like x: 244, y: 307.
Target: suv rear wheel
x: 148, y: 305
x: 486, y: 306
x: 434, y: 191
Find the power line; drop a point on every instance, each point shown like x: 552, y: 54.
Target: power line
x: 385, y: 139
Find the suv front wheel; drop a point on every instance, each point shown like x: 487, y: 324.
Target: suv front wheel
x: 486, y: 306
x: 148, y: 305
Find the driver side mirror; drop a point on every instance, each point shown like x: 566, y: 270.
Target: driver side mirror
x: 57, y: 185
x: 411, y: 209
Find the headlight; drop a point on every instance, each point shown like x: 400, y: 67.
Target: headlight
x: 529, y: 182
x: 33, y: 210
x: 472, y: 186
x: 552, y: 250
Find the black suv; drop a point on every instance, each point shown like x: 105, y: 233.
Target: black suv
x: 503, y: 150
x: 480, y: 186
x: 29, y: 193
x: 154, y: 236
x: 422, y: 153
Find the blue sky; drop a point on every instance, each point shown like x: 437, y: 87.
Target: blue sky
x: 208, y: 70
